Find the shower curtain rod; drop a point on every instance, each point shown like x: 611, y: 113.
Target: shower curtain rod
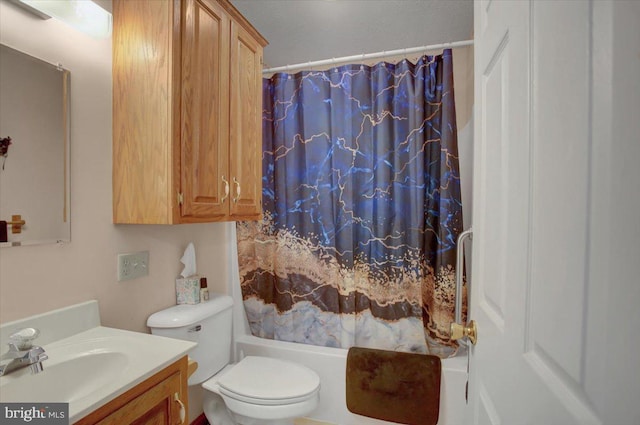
x: 364, y: 56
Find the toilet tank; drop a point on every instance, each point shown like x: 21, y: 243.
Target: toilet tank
x: 208, y: 324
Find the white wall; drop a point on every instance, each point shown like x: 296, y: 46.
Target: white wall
x: 35, y: 279
x: 309, y: 30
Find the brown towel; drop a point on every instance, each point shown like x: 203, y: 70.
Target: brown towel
x: 3, y: 231
x: 393, y: 386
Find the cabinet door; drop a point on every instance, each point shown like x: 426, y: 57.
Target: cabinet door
x: 144, y: 111
x: 205, y: 111
x: 245, y: 163
x: 155, y: 406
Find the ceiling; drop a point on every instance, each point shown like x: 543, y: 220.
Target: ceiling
x: 309, y: 30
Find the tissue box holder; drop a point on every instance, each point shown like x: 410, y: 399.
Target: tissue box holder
x: 188, y: 290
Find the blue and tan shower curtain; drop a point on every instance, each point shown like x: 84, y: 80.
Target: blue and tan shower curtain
x: 362, y: 209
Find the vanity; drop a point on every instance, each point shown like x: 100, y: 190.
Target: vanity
x: 158, y: 400
x: 106, y: 375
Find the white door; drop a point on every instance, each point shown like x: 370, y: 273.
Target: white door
x: 556, y: 219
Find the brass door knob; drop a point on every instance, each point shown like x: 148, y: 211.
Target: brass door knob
x: 459, y: 331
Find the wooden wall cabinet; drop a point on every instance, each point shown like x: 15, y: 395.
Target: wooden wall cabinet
x: 187, y: 111
x: 160, y: 400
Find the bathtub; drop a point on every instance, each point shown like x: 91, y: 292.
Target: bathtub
x: 330, y: 364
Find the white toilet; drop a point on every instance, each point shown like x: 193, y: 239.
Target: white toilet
x: 254, y: 391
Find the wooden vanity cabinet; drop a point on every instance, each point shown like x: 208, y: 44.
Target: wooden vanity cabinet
x: 159, y: 400
x: 187, y: 111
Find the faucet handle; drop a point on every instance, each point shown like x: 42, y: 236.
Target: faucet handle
x: 22, y: 339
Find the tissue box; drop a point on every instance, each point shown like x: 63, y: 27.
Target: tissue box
x: 188, y: 290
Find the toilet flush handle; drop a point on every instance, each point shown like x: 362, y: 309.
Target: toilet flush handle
x: 183, y: 411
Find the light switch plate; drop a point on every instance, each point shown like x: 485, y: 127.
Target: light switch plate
x: 133, y: 265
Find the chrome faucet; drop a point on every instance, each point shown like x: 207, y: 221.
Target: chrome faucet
x: 22, y: 353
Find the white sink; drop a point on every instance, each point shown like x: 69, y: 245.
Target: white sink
x: 91, y: 368
x: 69, y: 380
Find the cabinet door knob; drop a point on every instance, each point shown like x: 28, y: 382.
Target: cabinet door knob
x: 237, y: 197
x: 183, y: 411
x: 226, y: 190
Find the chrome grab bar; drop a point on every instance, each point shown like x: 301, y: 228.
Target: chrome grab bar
x: 461, y: 330
x: 459, y: 267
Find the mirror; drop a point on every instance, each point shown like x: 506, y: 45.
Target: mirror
x: 34, y: 149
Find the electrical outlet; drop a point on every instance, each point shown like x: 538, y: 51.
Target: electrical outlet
x: 133, y: 265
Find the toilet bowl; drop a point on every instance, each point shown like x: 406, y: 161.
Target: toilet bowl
x: 255, y: 390
x: 261, y: 390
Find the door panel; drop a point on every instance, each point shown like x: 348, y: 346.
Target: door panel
x: 246, y: 125
x: 143, y: 125
x: 487, y: 413
x: 544, y: 295
x: 529, y: 279
x: 205, y: 116
x: 495, y: 118
x: 156, y: 406
x: 560, y: 195
x: 500, y: 182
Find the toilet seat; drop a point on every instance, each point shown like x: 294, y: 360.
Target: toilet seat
x: 263, y: 402
x: 264, y: 388
x: 267, y: 381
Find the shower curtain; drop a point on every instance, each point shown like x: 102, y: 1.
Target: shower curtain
x: 362, y: 209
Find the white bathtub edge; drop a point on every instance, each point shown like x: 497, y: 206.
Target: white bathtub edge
x: 330, y: 364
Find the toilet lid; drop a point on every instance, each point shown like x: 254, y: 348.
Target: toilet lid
x: 263, y: 379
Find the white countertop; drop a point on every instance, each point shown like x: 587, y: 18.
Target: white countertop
x: 92, y: 367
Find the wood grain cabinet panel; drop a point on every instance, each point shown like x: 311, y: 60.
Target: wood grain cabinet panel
x: 246, y: 124
x: 158, y: 400
x: 187, y: 97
